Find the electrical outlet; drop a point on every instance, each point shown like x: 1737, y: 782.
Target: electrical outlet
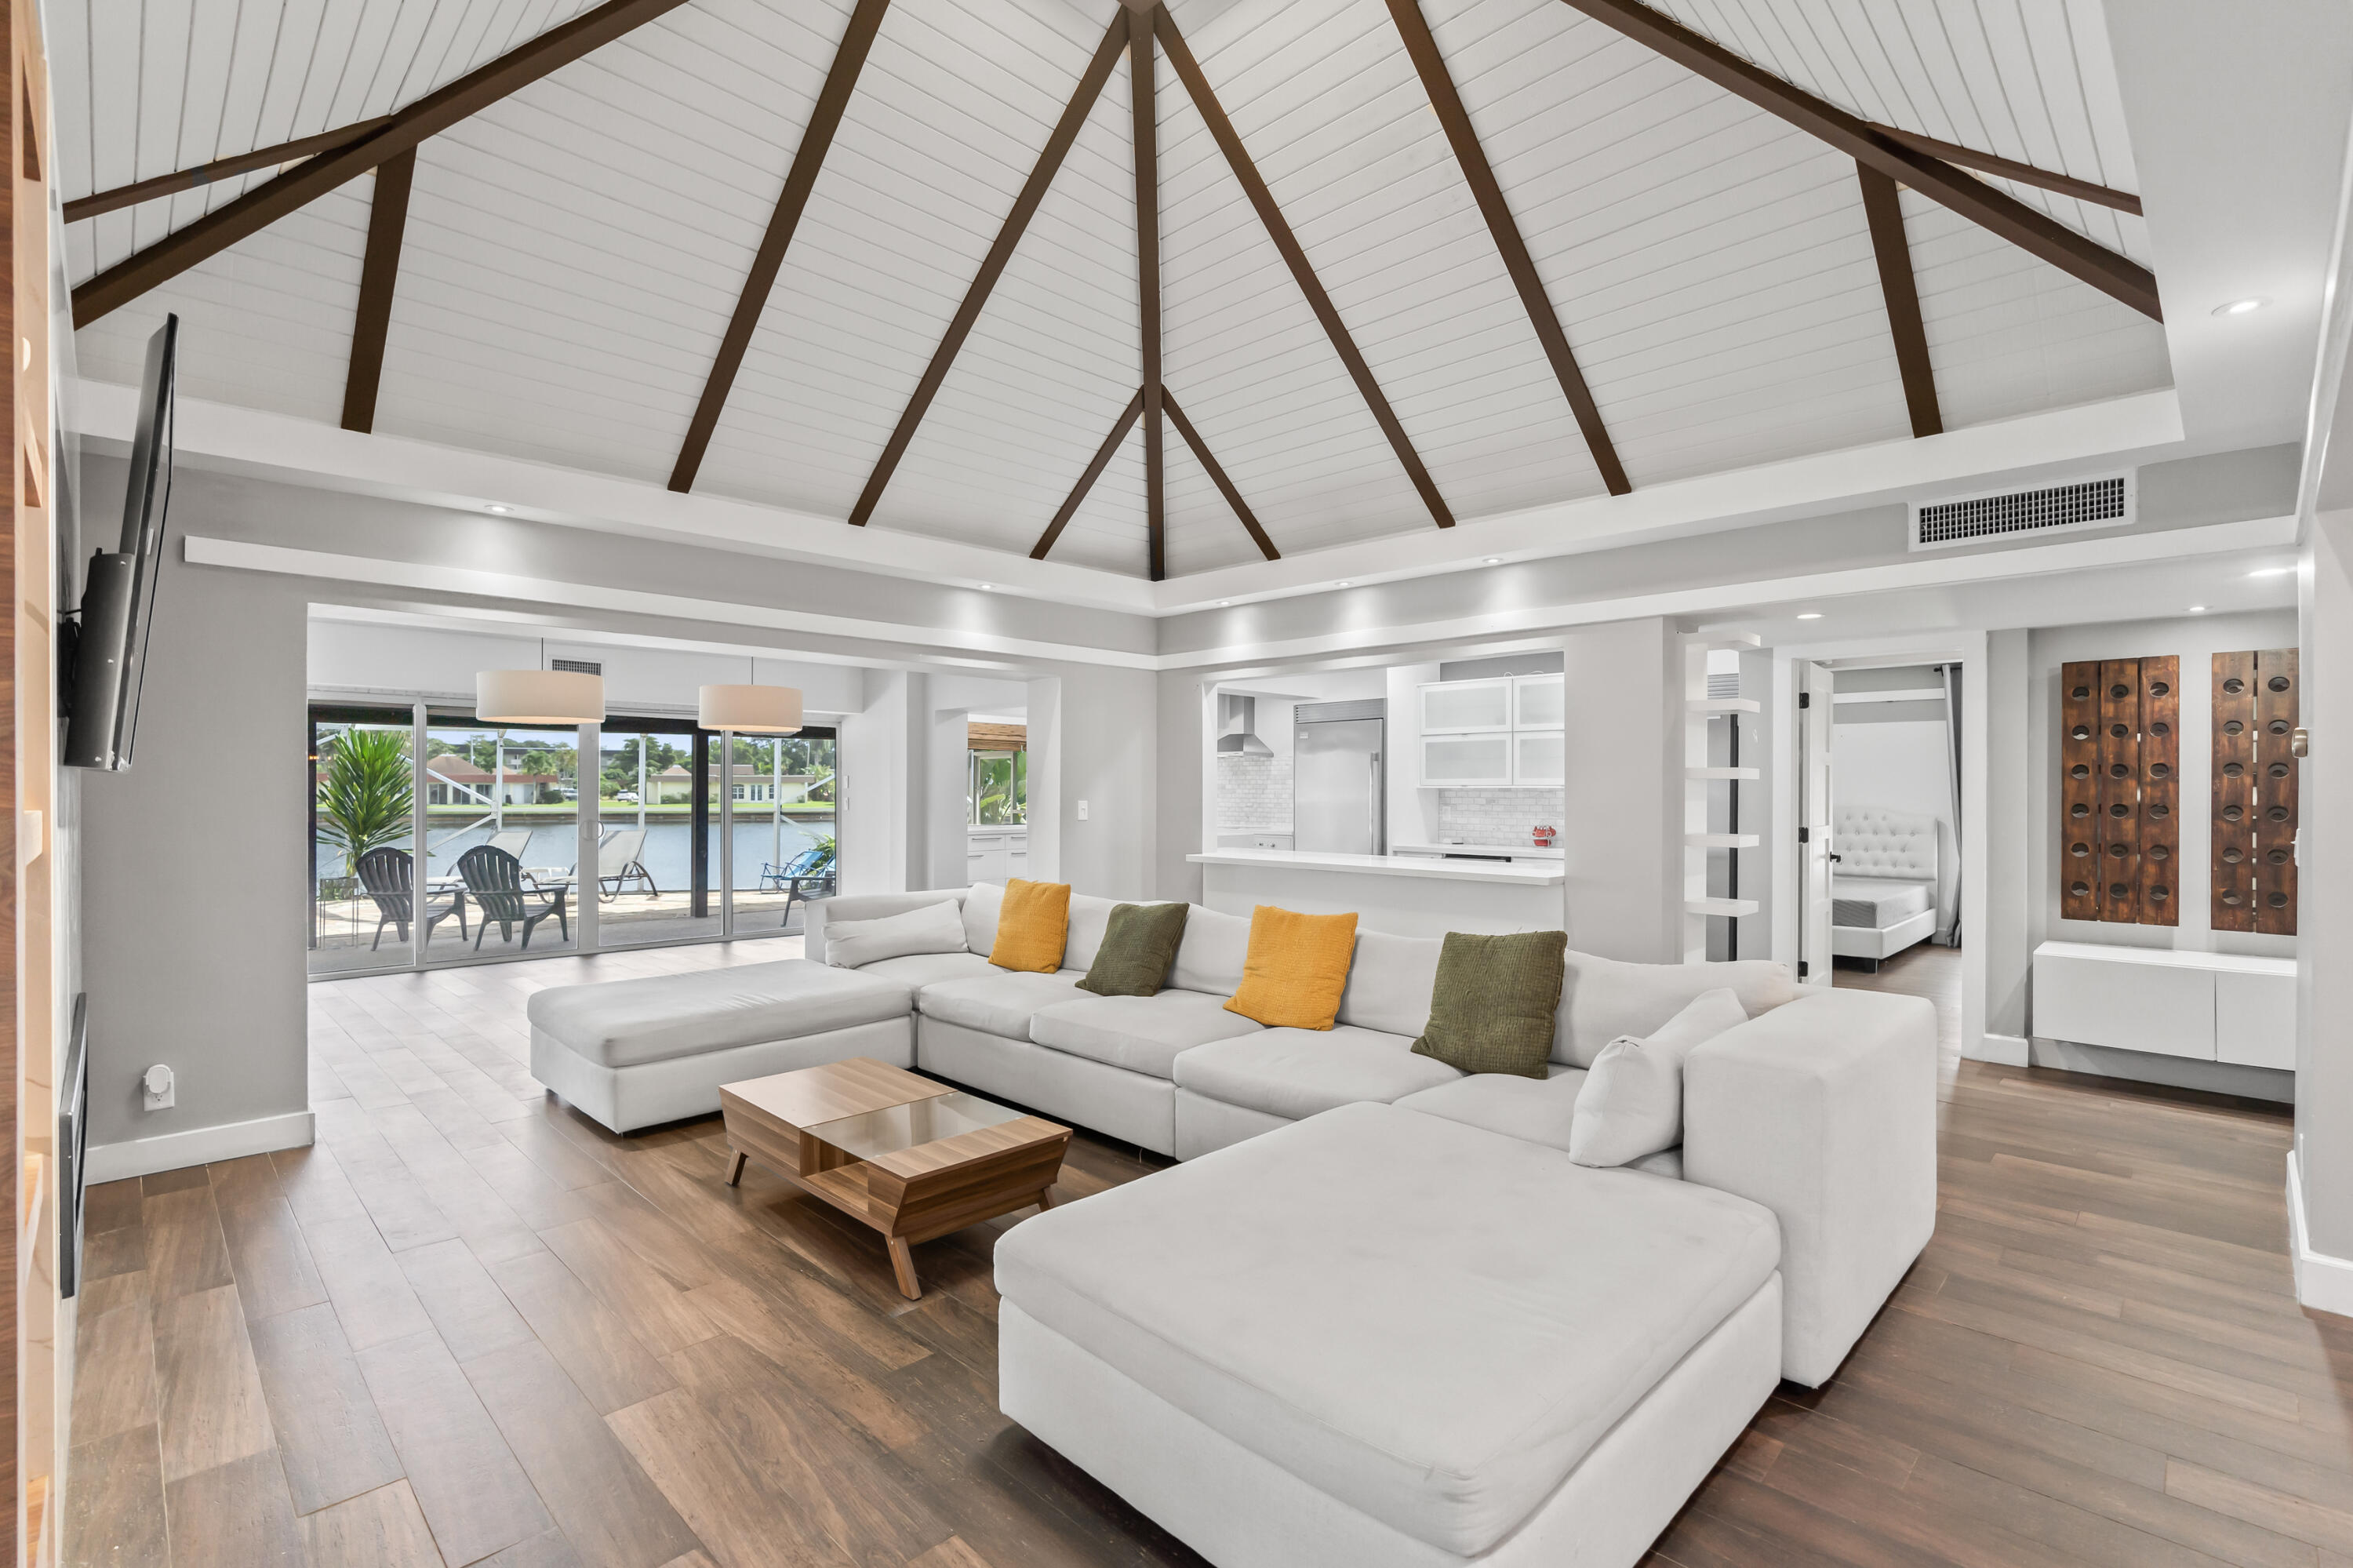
x: 159, y: 1087
x: 1082, y: 810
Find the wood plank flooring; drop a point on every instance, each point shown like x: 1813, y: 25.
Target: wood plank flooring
x: 469, y: 1327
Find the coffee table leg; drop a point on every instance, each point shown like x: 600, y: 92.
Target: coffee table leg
x: 902, y: 1264
x: 1047, y: 1198
x: 735, y: 1168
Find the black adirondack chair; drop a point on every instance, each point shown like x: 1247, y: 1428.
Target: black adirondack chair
x: 495, y: 879
x: 388, y: 876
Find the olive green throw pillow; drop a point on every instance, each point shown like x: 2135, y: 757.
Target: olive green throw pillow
x: 1491, y: 1009
x: 1138, y: 946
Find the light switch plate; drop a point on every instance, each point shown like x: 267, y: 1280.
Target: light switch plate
x: 1082, y: 810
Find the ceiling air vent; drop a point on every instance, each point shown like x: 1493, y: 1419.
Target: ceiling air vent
x: 578, y: 666
x: 2103, y: 503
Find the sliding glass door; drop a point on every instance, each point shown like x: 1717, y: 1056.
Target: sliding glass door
x: 696, y: 836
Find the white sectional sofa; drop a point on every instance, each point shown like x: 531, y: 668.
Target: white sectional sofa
x: 1379, y: 1318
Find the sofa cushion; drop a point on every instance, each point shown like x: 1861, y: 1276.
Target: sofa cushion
x: 1391, y: 982
x: 1299, y: 1071
x: 1297, y: 968
x: 1211, y: 956
x: 1633, y: 1100
x: 1604, y: 998
x: 1142, y: 1034
x: 998, y: 1003
x: 1090, y: 918
x: 1426, y: 1321
x: 1536, y: 1110
x: 1491, y: 1010
x: 981, y: 907
x: 1033, y: 925
x: 917, y: 970
x: 1139, y: 943
x: 623, y: 1023
x: 934, y: 929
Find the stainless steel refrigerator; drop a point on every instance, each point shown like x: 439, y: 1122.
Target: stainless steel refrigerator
x: 1339, y: 803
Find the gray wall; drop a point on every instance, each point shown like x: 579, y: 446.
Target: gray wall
x: 194, y: 865
x: 1623, y: 803
x: 2323, y: 1056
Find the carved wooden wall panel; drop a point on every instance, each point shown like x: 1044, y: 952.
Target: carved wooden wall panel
x: 2120, y: 764
x: 2233, y: 829
x: 2278, y: 691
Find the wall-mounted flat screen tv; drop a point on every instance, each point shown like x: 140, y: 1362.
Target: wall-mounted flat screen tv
x: 118, y: 597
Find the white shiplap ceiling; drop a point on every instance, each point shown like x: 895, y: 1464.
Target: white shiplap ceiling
x: 574, y: 253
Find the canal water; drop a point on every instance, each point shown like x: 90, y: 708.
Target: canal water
x: 668, y: 853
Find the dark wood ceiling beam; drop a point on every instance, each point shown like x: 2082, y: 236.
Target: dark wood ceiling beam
x: 401, y: 132
x: 2009, y: 169
x: 2119, y: 276
x: 203, y: 175
x: 1217, y: 477
x: 1145, y: 118
x: 1127, y: 418
x: 1229, y: 141
x: 808, y: 158
x: 992, y: 265
x: 1438, y: 82
x: 1884, y: 209
x: 379, y: 273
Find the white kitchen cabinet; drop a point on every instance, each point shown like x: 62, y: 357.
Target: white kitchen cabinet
x: 1538, y: 758
x: 997, y: 855
x: 1454, y: 707
x: 1467, y: 761
x: 1538, y: 702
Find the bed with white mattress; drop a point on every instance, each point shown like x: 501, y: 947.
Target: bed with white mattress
x: 1883, y: 895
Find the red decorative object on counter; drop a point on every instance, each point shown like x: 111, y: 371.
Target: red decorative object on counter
x: 1544, y: 836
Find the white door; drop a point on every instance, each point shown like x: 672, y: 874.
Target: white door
x: 1816, y: 853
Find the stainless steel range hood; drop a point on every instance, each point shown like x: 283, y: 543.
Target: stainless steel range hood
x: 1237, y: 726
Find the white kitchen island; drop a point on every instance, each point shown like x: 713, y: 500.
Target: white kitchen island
x: 1408, y: 896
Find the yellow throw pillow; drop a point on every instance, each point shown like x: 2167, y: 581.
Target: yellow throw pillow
x: 1297, y: 968
x: 1032, y: 926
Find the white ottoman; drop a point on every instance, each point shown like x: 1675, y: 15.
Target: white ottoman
x: 635, y: 1053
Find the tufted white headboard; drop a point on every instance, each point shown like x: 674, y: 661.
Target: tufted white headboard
x: 1873, y: 841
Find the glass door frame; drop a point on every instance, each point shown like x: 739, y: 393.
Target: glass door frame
x: 587, y: 774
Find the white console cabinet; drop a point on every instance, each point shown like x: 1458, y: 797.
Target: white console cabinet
x: 2214, y: 1007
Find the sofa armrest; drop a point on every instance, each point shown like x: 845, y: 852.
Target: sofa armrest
x: 1824, y: 1110
x: 865, y: 906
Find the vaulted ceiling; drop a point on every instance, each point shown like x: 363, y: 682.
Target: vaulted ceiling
x: 573, y: 251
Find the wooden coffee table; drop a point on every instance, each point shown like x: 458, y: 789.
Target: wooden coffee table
x: 912, y: 1158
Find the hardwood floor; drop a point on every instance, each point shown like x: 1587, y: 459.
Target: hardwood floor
x: 470, y: 1327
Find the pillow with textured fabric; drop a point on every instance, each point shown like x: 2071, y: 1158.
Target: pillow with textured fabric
x: 1632, y: 1103
x: 1139, y: 943
x: 1297, y: 969
x: 1491, y: 1010
x: 1032, y: 924
x: 934, y: 929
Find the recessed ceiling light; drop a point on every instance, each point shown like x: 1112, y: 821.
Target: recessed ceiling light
x: 987, y: 587
x: 1343, y: 585
x: 502, y: 510
x: 1225, y: 604
x: 2238, y: 307
x: 1810, y: 615
x: 1494, y: 560
x: 2196, y: 609
x: 2270, y: 571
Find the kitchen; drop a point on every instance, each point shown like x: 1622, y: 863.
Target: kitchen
x: 1425, y: 797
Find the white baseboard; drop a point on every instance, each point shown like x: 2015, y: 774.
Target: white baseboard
x: 2321, y: 1281
x: 197, y: 1146
x: 2009, y: 1050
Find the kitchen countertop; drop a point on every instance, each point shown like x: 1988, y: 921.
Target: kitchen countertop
x: 1510, y: 872
x: 1518, y: 852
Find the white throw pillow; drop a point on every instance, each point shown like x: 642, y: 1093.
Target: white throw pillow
x: 1632, y: 1102
x: 934, y: 929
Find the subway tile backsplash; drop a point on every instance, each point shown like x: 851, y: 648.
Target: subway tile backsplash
x: 1253, y: 792
x: 1503, y: 816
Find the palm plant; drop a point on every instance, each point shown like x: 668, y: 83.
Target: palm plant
x: 367, y: 793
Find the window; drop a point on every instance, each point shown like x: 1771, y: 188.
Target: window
x: 997, y: 788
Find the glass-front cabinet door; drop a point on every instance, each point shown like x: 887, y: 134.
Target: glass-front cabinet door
x: 1537, y: 758
x: 1467, y: 761
x: 1452, y: 707
x: 1538, y: 702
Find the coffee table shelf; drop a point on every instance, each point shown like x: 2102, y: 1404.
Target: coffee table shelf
x: 912, y: 1158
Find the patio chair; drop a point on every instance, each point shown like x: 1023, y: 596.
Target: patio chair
x: 388, y: 876
x: 807, y: 876
x: 516, y: 842
x: 495, y: 879
x: 618, y: 863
